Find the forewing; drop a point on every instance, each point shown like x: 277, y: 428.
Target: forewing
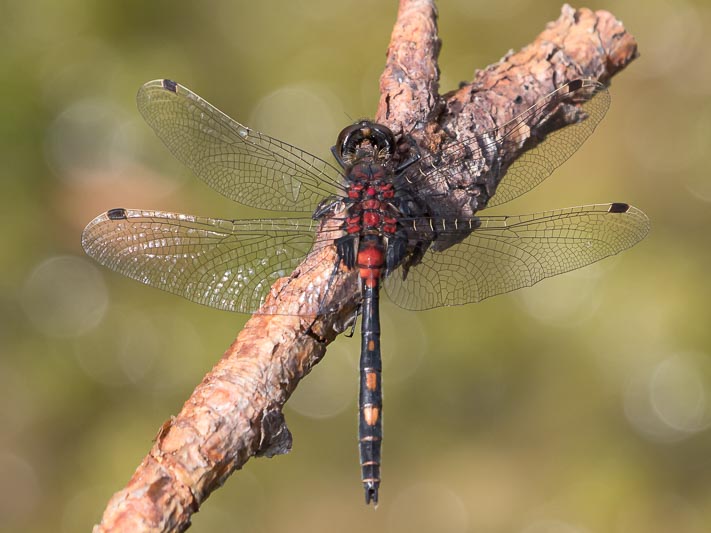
x: 510, y: 160
x: 226, y: 264
x: 246, y: 166
x: 536, y: 164
x: 507, y: 253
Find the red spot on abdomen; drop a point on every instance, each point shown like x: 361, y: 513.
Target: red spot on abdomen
x: 370, y: 260
x: 370, y: 276
x: 370, y: 256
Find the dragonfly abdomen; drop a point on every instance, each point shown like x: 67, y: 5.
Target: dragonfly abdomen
x: 370, y: 404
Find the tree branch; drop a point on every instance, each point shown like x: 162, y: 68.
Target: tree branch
x: 236, y: 411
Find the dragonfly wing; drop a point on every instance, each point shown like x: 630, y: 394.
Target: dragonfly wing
x: 536, y: 164
x: 507, y: 253
x: 246, y: 166
x: 503, y: 163
x: 226, y: 264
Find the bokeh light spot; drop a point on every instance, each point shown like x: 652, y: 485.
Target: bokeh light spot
x: 64, y: 297
x: 678, y: 394
x: 121, y: 353
x: 568, y: 300
x: 303, y: 115
x: 669, y: 400
x: 91, y: 135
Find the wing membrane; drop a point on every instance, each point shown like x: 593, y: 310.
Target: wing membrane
x: 246, y: 166
x: 546, y: 135
x: 226, y: 264
x: 507, y: 253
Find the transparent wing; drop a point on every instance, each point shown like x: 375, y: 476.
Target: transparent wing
x: 226, y: 264
x: 242, y: 164
x: 507, y: 253
x: 546, y: 135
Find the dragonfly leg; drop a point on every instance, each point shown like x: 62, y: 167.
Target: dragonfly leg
x: 354, y: 322
x: 403, y: 166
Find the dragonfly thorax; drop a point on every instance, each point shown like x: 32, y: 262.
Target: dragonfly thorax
x: 371, y: 208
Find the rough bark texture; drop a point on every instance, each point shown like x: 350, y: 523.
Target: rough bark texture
x: 236, y: 411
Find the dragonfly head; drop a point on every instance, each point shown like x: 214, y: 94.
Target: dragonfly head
x: 365, y: 138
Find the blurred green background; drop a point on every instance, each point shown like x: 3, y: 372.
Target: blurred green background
x: 580, y: 405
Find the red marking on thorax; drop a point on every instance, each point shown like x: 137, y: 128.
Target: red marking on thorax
x: 353, y: 224
x: 387, y: 191
x: 355, y: 190
x: 360, y: 172
x: 372, y: 204
x: 369, y: 209
x: 389, y: 225
x: 371, y: 219
x: 379, y: 173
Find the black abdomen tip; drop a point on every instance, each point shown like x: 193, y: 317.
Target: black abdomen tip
x: 371, y: 493
x: 619, y: 207
x: 117, y: 214
x: 170, y: 85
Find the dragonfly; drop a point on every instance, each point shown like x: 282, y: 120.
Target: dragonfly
x: 400, y: 218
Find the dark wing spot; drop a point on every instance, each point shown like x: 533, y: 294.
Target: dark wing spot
x: 170, y: 85
x: 618, y: 207
x: 575, y: 85
x: 117, y: 214
x: 518, y: 99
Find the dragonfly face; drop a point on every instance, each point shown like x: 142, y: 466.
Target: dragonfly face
x: 412, y: 228
x: 349, y: 145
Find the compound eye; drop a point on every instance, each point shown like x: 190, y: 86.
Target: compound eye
x: 348, y: 139
x: 383, y: 138
x: 379, y: 136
